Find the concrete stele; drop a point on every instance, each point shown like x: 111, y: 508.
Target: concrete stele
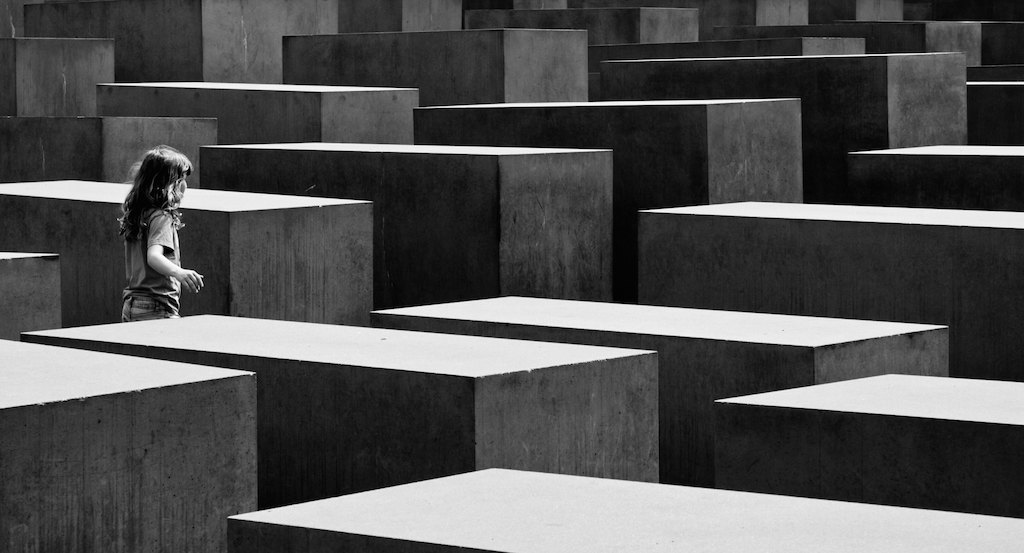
x: 995, y: 113
x: 421, y: 405
x: 261, y: 255
x: 703, y: 355
x: 886, y: 439
x: 29, y: 293
x: 603, y: 25
x: 520, y: 512
x: 53, y: 76
x: 112, y: 453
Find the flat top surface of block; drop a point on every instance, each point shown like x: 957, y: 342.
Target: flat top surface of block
x: 403, y: 149
x: 995, y: 83
x: 805, y: 58
x: 732, y: 326
x: 462, y: 34
x: 513, y: 512
x: 33, y: 374
x: 426, y: 352
x: 928, y: 397
x: 952, y: 150
x: 615, y: 103
x: 196, y: 198
x: 22, y: 255
x: 856, y: 214
x: 257, y: 87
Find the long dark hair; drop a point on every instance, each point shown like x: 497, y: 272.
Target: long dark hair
x: 159, y: 168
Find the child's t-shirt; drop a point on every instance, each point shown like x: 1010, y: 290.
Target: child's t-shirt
x: 143, y: 280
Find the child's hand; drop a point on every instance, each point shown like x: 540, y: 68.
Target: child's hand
x: 190, y: 279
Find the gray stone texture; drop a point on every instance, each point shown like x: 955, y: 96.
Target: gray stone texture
x: 279, y: 257
x: 603, y: 26
x: 252, y: 113
x: 365, y: 16
x: 448, y: 67
x: 53, y: 76
x: 952, y: 267
x: 348, y: 409
x: 499, y: 511
x: 957, y: 177
x: 995, y: 113
x: 117, y: 454
x: 94, y: 148
x: 452, y: 222
x: 949, y: 444
x: 665, y: 153
x: 848, y: 103
x: 188, y: 40
x: 29, y: 293
x: 702, y: 355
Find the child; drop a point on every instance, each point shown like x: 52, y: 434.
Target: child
x: 150, y: 226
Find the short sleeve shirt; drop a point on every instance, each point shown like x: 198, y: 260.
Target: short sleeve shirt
x: 158, y: 230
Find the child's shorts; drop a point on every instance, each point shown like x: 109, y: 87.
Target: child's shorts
x: 140, y: 308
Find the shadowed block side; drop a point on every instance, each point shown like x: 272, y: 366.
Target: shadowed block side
x: 53, y: 76
x: 365, y: 16
x: 995, y: 113
x: 603, y: 26
x: 29, y: 293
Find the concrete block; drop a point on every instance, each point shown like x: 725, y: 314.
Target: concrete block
x: 498, y: 511
x: 958, y: 177
x: 448, y: 67
x: 348, y: 409
x: 991, y: 10
x: 453, y: 222
x: 664, y: 153
x: 950, y: 444
x: 995, y: 113
x: 869, y: 102
x: 917, y: 10
x: 951, y: 267
x: 255, y: 113
x: 262, y: 255
x: 29, y: 293
x: 94, y: 148
x: 796, y: 46
x: 188, y: 40
x: 112, y: 453
x: 603, y: 26
x: 366, y: 16
x: 53, y: 76
x: 1010, y: 72
x: 703, y: 355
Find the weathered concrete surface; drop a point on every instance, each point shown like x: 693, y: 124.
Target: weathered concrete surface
x: 365, y: 16
x: 952, y: 267
x: 665, y: 153
x: 448, y: 67
x: 94, y: 148
x: 1010, y: 72
x: 959, y: 177
x: 951, y: 444
x: 29, y: 293
x: 453, y: 222
x: 991, y: 10
x: 188, y: 40
x: 500, y: 511
x: 347, y: 409
x: 848, y: 103
x: 995, y: 113
x: 603, y: 26
x: 53, y: 76
x: 255, y: 113
x: 112, y: 453
x: 702, y: 355
x: 280, y: 257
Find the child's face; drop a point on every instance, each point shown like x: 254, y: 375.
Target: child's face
x: 175, y: 192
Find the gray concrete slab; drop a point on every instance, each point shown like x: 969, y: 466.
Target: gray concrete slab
x: 665, y: 153
x: 952, y: 267
x: 998, y: 10
x: 1010, y: 72
x: 603, y: 25
x: 519, y: 512
x: 995, y: 113
x: 94, y: 148
x: 53, y: 76
x: 188, y: 40
x: 448, y: 67
x: 255, y: 113
x: 364, y: 16
x: 262, y: 255
x: 29, y: 293
x: 453, y: 222
x: 958, y: 177
x: 952, y: 444
x: 870, y: 101
x: 703, y: 355
x: 347, y: 409
x: 112, y: 453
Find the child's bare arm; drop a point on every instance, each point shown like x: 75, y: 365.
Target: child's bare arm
x: 189, y: 278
